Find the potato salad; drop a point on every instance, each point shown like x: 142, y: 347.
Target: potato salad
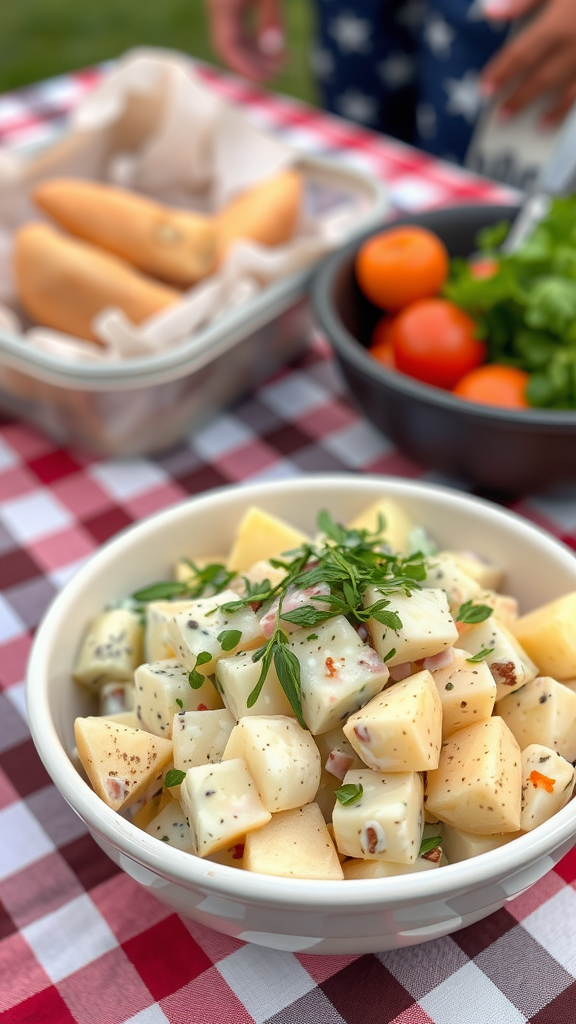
x: 351, y: 705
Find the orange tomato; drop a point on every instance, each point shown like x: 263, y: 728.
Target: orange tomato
x: 495, y: 384
x: 381, y: 345
x: 433, y: 340
x: 400, y: 265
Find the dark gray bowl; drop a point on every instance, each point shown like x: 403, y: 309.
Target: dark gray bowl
x: 503, y: 451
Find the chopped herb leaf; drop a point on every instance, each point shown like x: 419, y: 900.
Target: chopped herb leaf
x: 229, y: 638
x: 449, y: 686
x: 471, y: 613
x: 389, y: 654
x: 195, y: 678
x: 161, y: 591
x: 174, y: 778
x: 313, y: 636
x: 165, y: 839
x: 429, y: 844
x: 288, y: 670
x: 482, y: 654
x: 179, y: 702
x: 213, y: 577
x: 349, y: 793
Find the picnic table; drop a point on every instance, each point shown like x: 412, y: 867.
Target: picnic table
x: 80, y: 941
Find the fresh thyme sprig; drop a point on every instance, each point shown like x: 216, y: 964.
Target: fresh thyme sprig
x: 214, y: 575
x: 349, y: 562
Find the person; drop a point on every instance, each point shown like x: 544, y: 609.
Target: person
x: 421, y: 70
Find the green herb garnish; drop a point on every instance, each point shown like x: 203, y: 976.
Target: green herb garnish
x: 389, y: 654
x: 174, y: 778
x: 482, y: 654
x: 349, y: 794
x: 214, y: 576
x: 179, y: 702
x: 195, y: 678
x: 229, y: 639
x: 472, y: 613
x: 165, y: 839
x: 164, y: 591
x: 348, y: 562
x: 429, y: 844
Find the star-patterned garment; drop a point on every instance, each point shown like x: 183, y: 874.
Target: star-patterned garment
x: 407, y: 67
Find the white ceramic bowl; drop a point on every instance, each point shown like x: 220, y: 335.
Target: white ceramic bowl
x: 290, y: 914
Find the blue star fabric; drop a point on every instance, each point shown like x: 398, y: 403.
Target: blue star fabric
x: 409, y: 68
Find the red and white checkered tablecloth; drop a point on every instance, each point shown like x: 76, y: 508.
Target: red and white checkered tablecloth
x: 79, y: 940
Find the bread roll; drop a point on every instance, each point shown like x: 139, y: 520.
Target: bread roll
x: 63, y: 283
x: 174, y: 245
x: 267, y: 213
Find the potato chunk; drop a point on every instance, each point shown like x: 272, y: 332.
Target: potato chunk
x: 221, y: 803
x: 157, y: 643
x: 200, y: 737
x: 488, y: 575
x: 400, y: 730
x: 467, y: 692
x: 548, y: 636
x: 111, y: 649
x: 171, y: 827
x: 397, y: 524
x: 385, y: 823
x: 547, y: 784
x: 432, y: 859
x: 262, y: 536
x: 294, y: 844
x: 196, y: 630
x: 543, y: 711
x: 120, y: 762
x: 444, y: 574
x: 459, y: 845
x: 236, y: 678
x: 477, y: 785
x: 282, y: 758
x: 506, y: 659
x: 162, y: 690
x: 339, y: 672
x: 427, y: 626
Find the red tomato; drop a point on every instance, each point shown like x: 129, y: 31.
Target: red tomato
x: 381, y: 345
x: 434, y: 341
x: 484, y: 268
x: 399, y: 265
x: 495, y: 384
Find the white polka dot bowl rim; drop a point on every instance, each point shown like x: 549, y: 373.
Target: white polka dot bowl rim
x: 298, y: 915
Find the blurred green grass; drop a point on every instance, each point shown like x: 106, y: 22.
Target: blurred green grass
x: 41, y: 38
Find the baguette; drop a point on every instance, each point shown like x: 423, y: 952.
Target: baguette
x: 267, y: 213
x: 63, y: 283
x: 174, y: 245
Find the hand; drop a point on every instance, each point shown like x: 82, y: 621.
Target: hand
x: 540, y: 60
x: 248, y: 36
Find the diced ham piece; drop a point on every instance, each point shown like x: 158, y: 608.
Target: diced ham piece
x: 293, y: 599
x: 402, y: 671
x: 441, y: 660
x: 371, y: 660
x: 115, y: 788
x: 339, y: 763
